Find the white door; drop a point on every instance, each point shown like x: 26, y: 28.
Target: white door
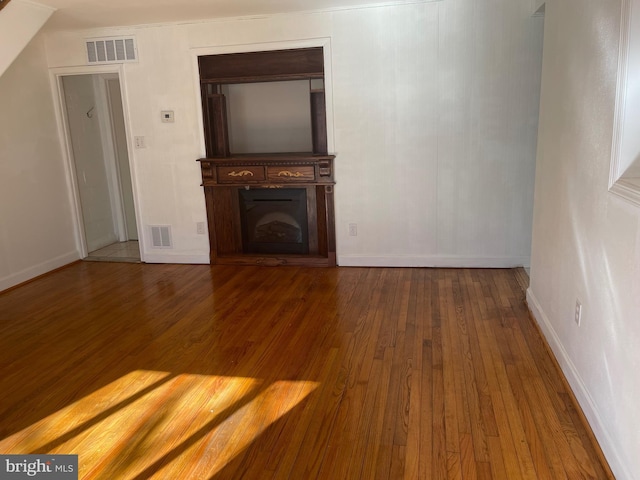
x: 122, y: 158
x: 83, y: 116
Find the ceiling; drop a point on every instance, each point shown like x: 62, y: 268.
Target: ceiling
x: 85, y: 14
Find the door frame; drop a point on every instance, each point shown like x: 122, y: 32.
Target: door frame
x: 56, y: 75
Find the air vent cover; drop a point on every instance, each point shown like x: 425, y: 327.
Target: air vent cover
x: 111, y: 50
x: 161, y: 236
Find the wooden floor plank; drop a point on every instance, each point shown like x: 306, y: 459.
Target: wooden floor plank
x: 224, y: 372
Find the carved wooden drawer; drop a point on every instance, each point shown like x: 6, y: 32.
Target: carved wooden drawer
x: 291, y: 173
x: 241, y: 174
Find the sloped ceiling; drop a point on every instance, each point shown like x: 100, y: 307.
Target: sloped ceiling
x: 84, y: 14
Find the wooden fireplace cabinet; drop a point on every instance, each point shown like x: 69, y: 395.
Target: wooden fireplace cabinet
x: 225, y: 173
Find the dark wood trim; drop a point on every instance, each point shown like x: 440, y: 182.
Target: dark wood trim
x: 276, y: 260
x: 318, y: 122
x: 211, y: 221
x: 4, y: 3
x: 330, y: 220
x: 248, y: 158
x: 257, y: 169
x: 262, y: 78
x: 215, y: 124
x: 265, y: 66
x: 314, y: 227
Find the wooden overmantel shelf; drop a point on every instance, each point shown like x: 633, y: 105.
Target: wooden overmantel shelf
x: 268, y: 169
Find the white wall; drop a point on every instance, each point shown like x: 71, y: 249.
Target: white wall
x: 19, y: 22
x: 36, y: 228
x: 269, y: 117
x: 435, y: 116
x: 586, y: 241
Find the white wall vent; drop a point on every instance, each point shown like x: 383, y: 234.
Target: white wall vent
x: 161, y: 236
x: 111, y: 50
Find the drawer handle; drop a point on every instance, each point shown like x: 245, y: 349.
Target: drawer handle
x: 243, y: 173
x: 287, y: 173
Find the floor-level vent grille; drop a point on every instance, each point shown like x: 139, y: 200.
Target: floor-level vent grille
x: 161, y: 236
x: 111, y: 50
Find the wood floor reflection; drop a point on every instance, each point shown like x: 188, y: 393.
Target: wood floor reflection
x: 192, y: 371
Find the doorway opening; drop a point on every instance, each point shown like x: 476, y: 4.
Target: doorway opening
x: 98, y: 145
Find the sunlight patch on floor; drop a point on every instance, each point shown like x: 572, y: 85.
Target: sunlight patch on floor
x: 148, y: 422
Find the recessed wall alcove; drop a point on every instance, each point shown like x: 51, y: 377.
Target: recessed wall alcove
x: 267, y: 177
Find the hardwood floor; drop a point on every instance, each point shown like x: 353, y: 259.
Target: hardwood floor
x: 185, y: 372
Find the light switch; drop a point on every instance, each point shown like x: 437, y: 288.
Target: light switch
x: 140, y: 142
x: 167, y: 116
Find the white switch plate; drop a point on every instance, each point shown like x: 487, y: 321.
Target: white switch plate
x: 140, y: 142
x: 167, y: 116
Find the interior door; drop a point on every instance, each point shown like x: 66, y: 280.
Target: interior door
x: 83, y: 116
x: 122, y: 158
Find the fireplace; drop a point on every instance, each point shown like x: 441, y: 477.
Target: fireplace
x: 268, y: 202
x: 274, y: 221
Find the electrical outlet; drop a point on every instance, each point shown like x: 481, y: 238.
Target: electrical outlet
x: 578, y: 312
x: 200, y: 228
x: 353, y: 229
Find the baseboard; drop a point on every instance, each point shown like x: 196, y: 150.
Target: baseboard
x: 438, y: 261
x: 37, y: 270
x: 175, y: 258
x: 579, y: 389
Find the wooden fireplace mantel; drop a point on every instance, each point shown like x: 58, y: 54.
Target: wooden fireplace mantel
x: 268, y: 170
x: 225, y: 174
x: 222, y: 178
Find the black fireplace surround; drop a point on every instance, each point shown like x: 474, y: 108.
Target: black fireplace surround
x: 274, y: 221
